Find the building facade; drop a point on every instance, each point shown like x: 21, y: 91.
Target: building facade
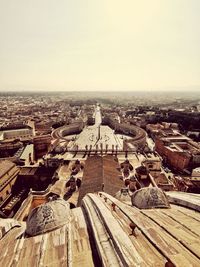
x: 8, y: 175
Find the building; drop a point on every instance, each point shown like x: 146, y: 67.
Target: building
x: 164, y: 129
x: 151, y: 173
x: 17, y: 153
x: 153, y: 163
x: 42, y: 145
x: 38, y: 178
x: 9, y: 148
x: 10, y: 133
x: 101, y: 173
x: 176, y: 149
x: 137, y: 134
x: 27, y: 156
x: 180, y: 152
x: 8, y: 175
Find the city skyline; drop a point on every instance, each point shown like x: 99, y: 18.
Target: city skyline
x: 94, y: 46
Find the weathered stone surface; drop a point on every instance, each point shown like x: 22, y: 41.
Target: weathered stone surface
x: 105, y: 231
x: 7, y: 225
x: 184, y: 199
x: 48, y: 217
x: 150, y: 197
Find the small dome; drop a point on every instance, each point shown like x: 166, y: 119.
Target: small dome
x: 47, y: 217
x: 149, y: 197
x: 133, y: 178
x: 141, y: 170
x: 123, y: 195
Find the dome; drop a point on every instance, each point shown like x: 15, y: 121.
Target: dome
x: 123, y: 195
x: 132, y: 178
x: 149, y: 197
x: 47, y: 217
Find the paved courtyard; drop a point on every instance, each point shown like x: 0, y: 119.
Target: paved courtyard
x: 97, y: 135
x: 90, y: 136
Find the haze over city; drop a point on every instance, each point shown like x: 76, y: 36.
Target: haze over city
x: 103, y: 45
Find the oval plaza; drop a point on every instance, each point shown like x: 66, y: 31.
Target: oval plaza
x: 105, y: 136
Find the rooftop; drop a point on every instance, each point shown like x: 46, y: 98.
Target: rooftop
x: 101, y: 173
x: 5, y: 166
x: 119, y: 236
x: 27, y: 151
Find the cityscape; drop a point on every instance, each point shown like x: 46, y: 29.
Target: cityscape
x: 99, y: 181
x: 100, y: 133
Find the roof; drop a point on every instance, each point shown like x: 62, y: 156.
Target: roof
x: 27, y: 151
x: 126, y: 236
x: 16, y: 126
x: 68, y: 244
x: 161, y: 235
x: 28, y: 170
x: 5, y: 166
x: 141, y: 170
x: 101, y: 173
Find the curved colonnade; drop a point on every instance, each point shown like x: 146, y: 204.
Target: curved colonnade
x: 63, y: 131
x: 137, y: 134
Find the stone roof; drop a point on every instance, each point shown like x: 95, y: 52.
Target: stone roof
x: 101, y: 173
x: 141, y: 170
x: 5, y: 166
x: 99, y: 233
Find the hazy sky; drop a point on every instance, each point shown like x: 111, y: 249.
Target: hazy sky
x: 99, y: 44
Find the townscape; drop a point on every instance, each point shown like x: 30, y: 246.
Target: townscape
x: 100, y: 133
x: 92, y: 180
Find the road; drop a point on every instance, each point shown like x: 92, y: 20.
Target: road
x: 98, y: 118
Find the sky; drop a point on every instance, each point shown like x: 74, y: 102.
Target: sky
x: 99, y: 45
